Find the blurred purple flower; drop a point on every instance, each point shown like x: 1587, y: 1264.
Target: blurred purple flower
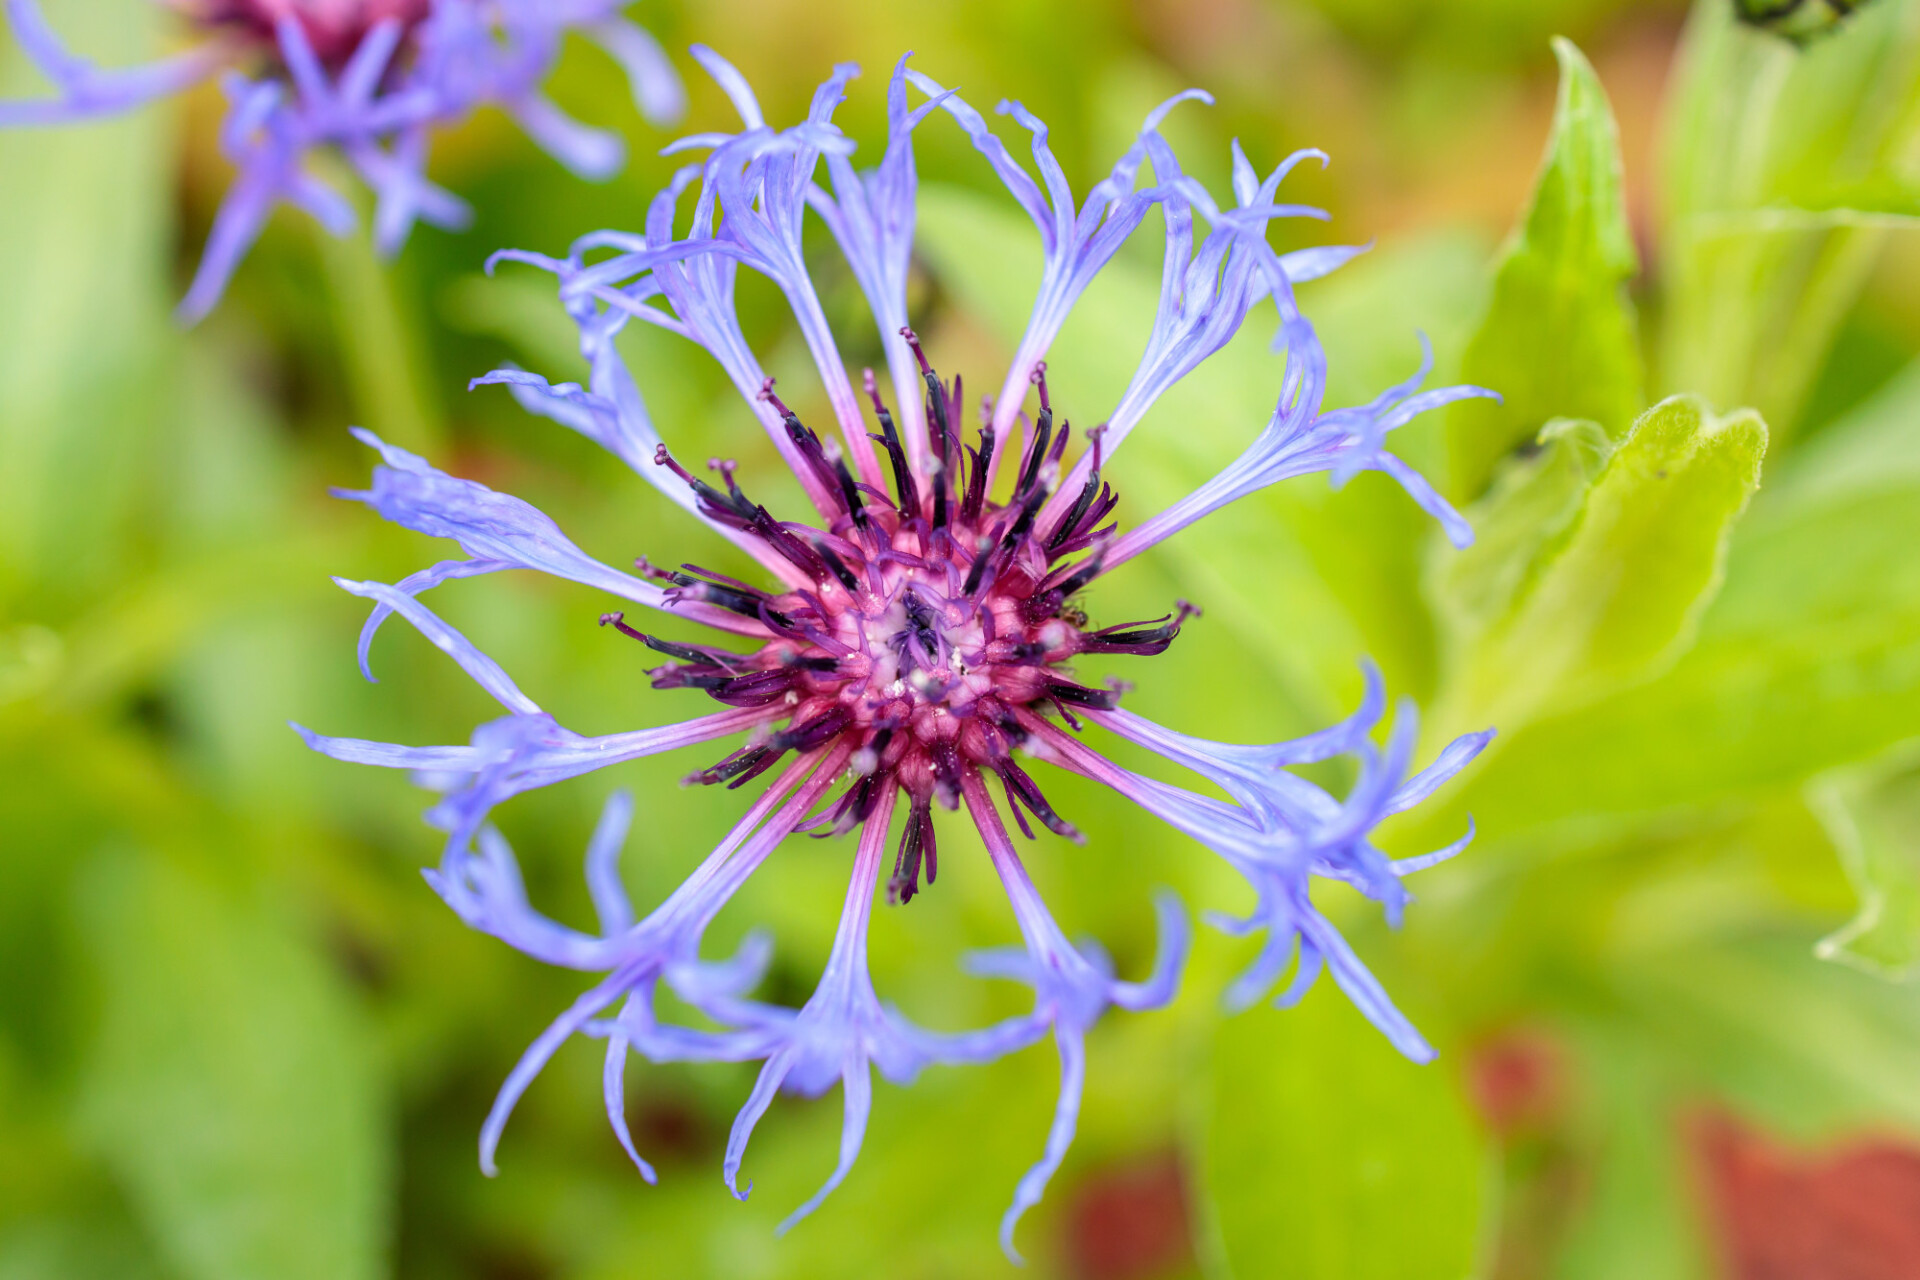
x: 369, y: 79
x: 919, y: 631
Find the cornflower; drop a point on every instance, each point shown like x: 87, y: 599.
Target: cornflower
x: 912, y: 641
x: 367, y: 79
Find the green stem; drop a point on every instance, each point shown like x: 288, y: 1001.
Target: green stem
x: 386, y: 377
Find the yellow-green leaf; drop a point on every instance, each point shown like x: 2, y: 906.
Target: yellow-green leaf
x: 1559, y: 337
x: 1533, y: 501
x: 1617, y: 594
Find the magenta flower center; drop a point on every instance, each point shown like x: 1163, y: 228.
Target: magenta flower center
x: 934, y: 625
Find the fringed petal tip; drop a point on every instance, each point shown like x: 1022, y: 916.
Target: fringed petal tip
x: 648, y: 1174
x: 1066, y: 1118
x: 1163, y: 982
x: 856, y: 1087
x: 1306, y: 832
x: 1407, y: 866
x: 654, y: 85
x: 613, y: 1082
x: 1159, y: 114
x: 313, y: 740
x: 393, y: 455
x: 529, y: 257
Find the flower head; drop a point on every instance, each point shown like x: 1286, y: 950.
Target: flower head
x: 908, y: 650
x: 370, y: 79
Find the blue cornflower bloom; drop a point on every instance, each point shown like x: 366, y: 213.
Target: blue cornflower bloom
x: 369, y: 79
x: 913, y: 644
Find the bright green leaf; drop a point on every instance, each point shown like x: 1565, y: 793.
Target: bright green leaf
x: 1872, y: 815
x: 232, y: 1088
x: 1782, y: 171
x: 1875, y: 448
x: 1330, y: 1157
x: 1619, y: 592
x: 1534, y: 500
x: 1733, y: 717
x: 1808, y: 659
x: 1558, y: 339
x: 1831, y: 538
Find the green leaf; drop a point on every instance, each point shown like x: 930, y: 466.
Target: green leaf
x: 1808, y: 659
x: 1534, y: 500
x: 232, y: 1088
x: 1831, y: 539
x: 1558, y: 339
x: 1874, y: 449
x: 1328, y: 1156
x: 1872, y: 815
x: 1782, y: 171
x: 1619, y: 592
x: 1734, y: 717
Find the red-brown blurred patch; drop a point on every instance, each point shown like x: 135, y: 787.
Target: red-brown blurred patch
x: 1778, y: 1214
x: 670, y: 1128
x: 1519, y: 1081
x: 1129, y: 1223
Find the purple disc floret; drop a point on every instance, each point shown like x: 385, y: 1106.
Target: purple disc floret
x: 906, y: 647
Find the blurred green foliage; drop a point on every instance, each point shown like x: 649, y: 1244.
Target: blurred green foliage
x: 239, y: 1038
